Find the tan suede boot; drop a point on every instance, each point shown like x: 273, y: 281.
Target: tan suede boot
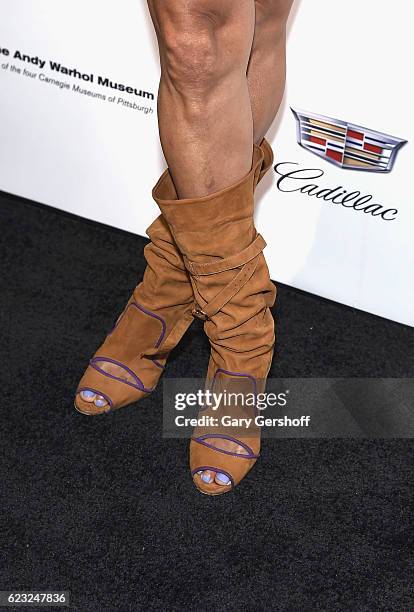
x: 157, y: 315
x: 128, y: 365
x: 222, y: 252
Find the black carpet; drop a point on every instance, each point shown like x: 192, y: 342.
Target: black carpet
x: 105, y: 508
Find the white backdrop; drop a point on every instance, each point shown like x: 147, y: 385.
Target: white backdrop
x: 100, y: 158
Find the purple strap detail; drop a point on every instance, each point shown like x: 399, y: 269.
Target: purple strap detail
x: 150, y: 314
x: 139, y: 384
x: 241, y: 375
x: 157, y: 363
x: 155, y: 316
x: 214, y: 469
x: 251, y: 454
x: 108, y: 399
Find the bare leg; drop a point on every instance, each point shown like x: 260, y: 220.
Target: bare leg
x: 266, y: 73
x: 204, y: 110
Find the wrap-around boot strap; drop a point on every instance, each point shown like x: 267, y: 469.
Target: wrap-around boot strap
x: 248, y: 259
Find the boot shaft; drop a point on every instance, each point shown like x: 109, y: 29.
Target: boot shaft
x: 214, y: 226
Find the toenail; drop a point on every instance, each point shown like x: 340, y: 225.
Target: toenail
x: 100, y: 403
x: 206, y: 478
x: 87, y: 395
x: 222, y: 478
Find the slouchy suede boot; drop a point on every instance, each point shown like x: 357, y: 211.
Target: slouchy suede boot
x: 157, y: 315
x: 128, y: 365
x: 222, y: 252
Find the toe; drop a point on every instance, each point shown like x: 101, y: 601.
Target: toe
x: 87, y: 396
x: 88, y: 402
x: 207, y: 476
x: 100, y: 401
x: 222, y: 479
x: 206, y: 482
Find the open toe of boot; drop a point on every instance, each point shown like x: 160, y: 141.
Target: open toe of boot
x: 111, y: 380
x: 115, y: 372
x: 205, y: 454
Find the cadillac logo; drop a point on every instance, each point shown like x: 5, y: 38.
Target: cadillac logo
x: 345, y: 144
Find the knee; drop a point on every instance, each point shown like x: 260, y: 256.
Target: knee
x: 192, y: 54
x: 190, y: 58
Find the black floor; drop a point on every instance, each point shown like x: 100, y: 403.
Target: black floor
x: 104, y: 507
